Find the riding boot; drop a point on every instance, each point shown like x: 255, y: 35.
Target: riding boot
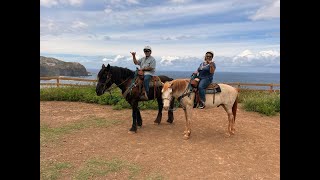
x: 144, y: 96
x: 201, y: 105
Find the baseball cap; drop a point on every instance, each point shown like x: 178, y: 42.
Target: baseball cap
x: 147, y: 47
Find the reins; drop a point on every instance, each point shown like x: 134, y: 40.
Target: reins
x: 109, y: 90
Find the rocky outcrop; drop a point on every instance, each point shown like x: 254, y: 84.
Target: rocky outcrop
x: 54, y: 67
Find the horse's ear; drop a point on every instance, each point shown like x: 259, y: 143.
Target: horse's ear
x: 103, y: 66
x: 108, y: 67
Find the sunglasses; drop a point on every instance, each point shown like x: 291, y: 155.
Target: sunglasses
x: 145, y: 50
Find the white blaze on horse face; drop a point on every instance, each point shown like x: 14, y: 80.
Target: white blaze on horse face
x: 166, y: 96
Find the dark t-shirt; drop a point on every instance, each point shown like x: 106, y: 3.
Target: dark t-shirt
x: 204, y: 70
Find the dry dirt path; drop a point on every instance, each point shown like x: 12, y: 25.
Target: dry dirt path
x: 159, y: 151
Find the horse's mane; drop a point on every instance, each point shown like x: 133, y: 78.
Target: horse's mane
x: 176, y: 85
x: 119, y: 73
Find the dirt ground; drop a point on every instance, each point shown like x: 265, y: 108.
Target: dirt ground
x: 159, y: 151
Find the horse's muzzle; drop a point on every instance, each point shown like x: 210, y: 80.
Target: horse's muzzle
x: 99, y: 92
x: 166, y: 108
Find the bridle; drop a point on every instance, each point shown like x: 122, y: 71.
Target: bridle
x: 169, y: 99
x: 106, y: 82
x: 186, y: 92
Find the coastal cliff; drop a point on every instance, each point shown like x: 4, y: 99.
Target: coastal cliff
x: 54, y: 67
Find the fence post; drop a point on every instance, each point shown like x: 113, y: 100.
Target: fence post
x: 58, y: 83
x: 271, y: 88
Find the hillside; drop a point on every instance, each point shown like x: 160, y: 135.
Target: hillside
x: 54, y: 67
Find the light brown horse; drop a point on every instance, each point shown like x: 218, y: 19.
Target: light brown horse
x: 178, y: 88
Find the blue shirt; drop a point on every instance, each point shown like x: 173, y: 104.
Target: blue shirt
x: 204, y: 70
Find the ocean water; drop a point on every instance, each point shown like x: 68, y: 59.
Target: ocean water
x: 230, y: 76
x: 219, y: 77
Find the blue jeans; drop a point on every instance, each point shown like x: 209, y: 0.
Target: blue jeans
x: 146, y: 82
x: 203, y: 84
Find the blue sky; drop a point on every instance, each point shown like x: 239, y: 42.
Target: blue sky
x: 243, y: 34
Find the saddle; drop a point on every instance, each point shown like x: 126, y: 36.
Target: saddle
x: 155, y: 81
x: 213, y: 88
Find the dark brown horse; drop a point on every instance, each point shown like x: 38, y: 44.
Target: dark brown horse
x: 124, y: 78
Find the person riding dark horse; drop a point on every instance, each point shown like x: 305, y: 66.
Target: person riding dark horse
x: 147, y: 67
x: 126, y: 80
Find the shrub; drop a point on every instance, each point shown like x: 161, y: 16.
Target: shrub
x: 258, y: 101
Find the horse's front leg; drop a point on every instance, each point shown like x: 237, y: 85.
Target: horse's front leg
x: 139, y: 119
x: 187, y: 112
x: 160, y: 107
x: 134, y: 106
x: 170, y: 112
x: 231, y: 129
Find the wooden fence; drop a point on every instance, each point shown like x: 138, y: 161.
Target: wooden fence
x: 238, y: 85
x: 59, y: 78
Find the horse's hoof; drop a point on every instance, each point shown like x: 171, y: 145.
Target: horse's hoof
x: 233, y: 130
x: 132, y: 132
x: 156, y: 123
x: 139, y: 127
x: 186, y: 137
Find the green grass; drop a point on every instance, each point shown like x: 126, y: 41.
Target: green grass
x: 48, y: 134
x: 262, y: 102
x: 94, y: 168
x: 53, y: 171
x: 87, y: 94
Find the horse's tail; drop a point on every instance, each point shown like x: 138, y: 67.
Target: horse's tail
x: 234, y: 109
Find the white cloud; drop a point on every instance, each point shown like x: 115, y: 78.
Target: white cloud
x: 133, y: 1
x: 108, y: 10
x: 246, y: 61
x: 57, y: 28
x: 178, y: 1
x: 262, y: 58
x: 268, y: 11
x: 115, y: 1
x: 246, y: 53
x: 75, y: 2
x: 48, y: 3
x: 119, y: 58
x: 167, y: 60
x: 79, y: 25
x: 51, y: 3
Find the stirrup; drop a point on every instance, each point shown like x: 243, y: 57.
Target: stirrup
x: 144, y: 97
x: 201, y: 105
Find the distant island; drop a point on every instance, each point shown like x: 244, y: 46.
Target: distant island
x: 54, y: 67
